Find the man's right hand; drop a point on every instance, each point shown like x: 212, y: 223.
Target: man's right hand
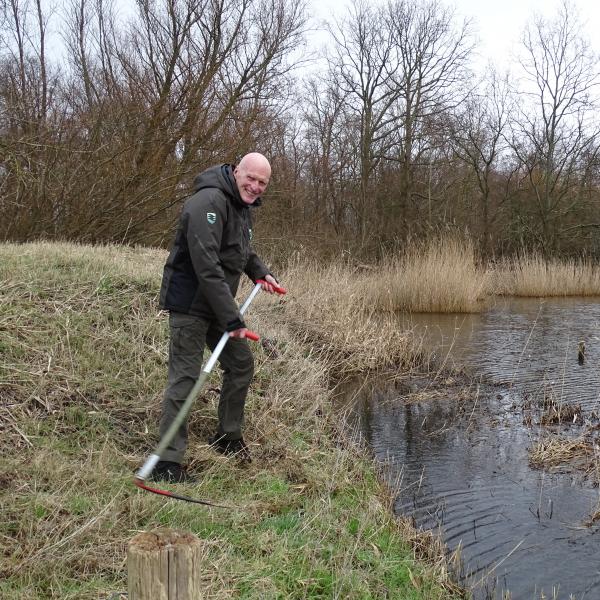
x: 269, y: 282
x: 238, y: 333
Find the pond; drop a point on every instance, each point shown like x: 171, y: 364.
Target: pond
x: 459, y: 457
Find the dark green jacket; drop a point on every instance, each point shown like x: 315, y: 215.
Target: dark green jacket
x: 212, y: 248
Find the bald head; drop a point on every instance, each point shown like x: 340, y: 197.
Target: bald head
x: 252, y: 176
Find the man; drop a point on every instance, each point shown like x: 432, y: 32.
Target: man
x: 211, y: 250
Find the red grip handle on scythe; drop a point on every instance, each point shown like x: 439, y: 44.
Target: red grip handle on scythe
x: 252, y: 336
x: 280, y: 290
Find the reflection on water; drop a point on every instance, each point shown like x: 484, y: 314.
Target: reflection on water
x: 463, y: 466
x: 524, y: 341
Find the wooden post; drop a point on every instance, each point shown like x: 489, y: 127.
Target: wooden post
x: 581, y: 352
x: 165, y: 564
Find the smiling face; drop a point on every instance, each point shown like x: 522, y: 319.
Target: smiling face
x: 252, y: 176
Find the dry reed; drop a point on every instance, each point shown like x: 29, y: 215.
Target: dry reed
x: 440, y: 276
x: 534, y: 276
x: 561, y: 452
x: 327, y: 304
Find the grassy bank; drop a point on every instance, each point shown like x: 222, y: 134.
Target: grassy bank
x: 82, y: 373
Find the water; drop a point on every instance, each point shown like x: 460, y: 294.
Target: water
x: 462, y: 464
x: 527, y: 342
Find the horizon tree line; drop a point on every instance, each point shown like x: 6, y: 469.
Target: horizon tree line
x: 396, y: 137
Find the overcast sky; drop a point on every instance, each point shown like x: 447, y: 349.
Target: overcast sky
x: 498, y: 23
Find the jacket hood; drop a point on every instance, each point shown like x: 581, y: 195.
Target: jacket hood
x: 221, y: 177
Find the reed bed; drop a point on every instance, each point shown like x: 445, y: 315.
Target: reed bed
x: 554, y: 451
x: 328, y: 308
x: 84, y: 363
x: 443, y: 275
x: 534, y: 276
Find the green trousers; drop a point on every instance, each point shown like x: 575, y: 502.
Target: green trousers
x: 188, y: 337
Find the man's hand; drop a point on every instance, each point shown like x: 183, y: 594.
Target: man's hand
x: 238, y: 333
x: 269, y: 282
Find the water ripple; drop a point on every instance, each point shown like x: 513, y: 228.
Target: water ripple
x: 464, y: 469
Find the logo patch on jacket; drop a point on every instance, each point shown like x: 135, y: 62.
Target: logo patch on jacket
x: 211, y: 217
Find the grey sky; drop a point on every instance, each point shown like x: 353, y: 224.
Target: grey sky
x: 498, y: 23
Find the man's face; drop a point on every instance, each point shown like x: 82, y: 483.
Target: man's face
x: 252, y: 181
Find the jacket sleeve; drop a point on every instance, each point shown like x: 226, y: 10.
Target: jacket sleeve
x: 255, y: 268
x: 206, y: 221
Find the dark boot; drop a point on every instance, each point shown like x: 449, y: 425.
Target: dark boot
x: 227, y: 447
x: 170, y: 472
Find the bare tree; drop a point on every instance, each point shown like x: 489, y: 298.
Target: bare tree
x: 331, y: 147
x: 143, y: 104
x: 432, y: 80
x: 398, y: 69
x: 555, y: 129
x: 28, y: 116
x: 477, y: 139
x: 363, y: 64
x: 208, y: 61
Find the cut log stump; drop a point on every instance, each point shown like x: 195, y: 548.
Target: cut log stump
x: 165, y: 564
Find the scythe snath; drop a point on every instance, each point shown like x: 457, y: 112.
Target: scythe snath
x: 147, y: 468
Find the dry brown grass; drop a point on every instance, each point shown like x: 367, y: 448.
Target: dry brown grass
x: 440, y: 276
x: 534, y: 276
x: 327, y: 306
x: 554, y: 451
x: 429, y: 547
x: 558, y: 453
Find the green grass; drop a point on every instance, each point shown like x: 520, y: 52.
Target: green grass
x: 81, y: 378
